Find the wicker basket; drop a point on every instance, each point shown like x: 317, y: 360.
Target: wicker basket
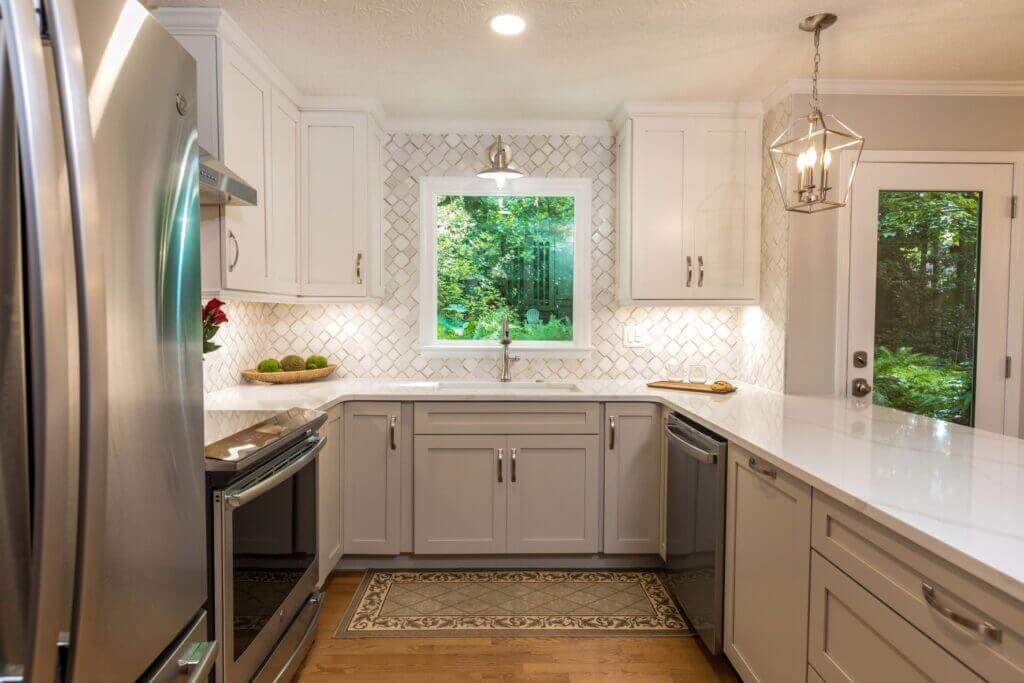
x: 288, y: 377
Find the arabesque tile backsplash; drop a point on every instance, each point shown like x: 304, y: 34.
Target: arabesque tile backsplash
x: 379, y: 339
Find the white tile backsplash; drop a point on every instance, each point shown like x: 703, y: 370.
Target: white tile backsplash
x: 379, y: 339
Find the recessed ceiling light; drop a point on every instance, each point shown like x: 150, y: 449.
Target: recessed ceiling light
x: 508, y: 24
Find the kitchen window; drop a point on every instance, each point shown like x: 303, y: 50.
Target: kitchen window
x: 522, y: 252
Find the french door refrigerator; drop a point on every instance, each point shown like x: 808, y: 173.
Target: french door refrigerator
x: 102, y: 532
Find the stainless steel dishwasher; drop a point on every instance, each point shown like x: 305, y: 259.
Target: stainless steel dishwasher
x: 695, y: 543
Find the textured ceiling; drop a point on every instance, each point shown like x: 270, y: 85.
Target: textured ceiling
x: 582, y: 58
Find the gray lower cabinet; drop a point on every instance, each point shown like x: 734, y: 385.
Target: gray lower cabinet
x: 372, y: 498
x: 485, y: 494
x: 854, y: 637
x: 329, y: 513
x: 632, y: 478
x: 553, y: 490
x: 459, y: 494
x: 767, y: 562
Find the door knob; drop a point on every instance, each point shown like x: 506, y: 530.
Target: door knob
x: 860, y: 387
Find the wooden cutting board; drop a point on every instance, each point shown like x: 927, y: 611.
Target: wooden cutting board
x: 718, y: 387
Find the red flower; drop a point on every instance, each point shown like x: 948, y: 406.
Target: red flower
x: 218, y: 317
x: 212, y: 305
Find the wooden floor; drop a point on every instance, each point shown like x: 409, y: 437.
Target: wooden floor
x: 552, y: 659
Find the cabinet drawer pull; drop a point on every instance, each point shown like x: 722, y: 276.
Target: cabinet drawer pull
x: 689, y: 270
x: 611, y: 432
x: 770, y: 472
x: 513, y: 465
x: 700, y: 271
x: 238, y: 251
x: 392, y: 429
x: 359, y: 268
x: 983, y: 628
x: 501, y: 454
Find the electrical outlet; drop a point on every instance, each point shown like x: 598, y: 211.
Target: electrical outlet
x: 634, y: 337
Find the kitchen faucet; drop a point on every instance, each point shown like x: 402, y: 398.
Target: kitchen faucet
x: 506, y: 360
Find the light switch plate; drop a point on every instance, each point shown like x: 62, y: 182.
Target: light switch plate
x: 634, y: 337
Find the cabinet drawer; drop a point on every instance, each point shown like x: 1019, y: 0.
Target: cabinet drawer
x: 507, y: 418
x: 854, y: 637
x: 898, y: 573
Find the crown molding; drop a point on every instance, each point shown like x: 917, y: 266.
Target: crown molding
x: 214, y: 21
x: 495, y: 127
x: 346, y: 103
x: 846, y: 86
x: 630, y: 110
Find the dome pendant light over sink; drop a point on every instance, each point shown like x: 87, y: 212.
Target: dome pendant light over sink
x: 805, y: 155
x: 501, y: 168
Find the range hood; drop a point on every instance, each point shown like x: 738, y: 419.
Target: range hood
x: 218, y: 185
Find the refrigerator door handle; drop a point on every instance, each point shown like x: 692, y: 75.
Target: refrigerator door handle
x: 91, y: 295
x: 45, y: 241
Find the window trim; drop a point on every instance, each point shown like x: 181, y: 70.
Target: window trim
x: 580, y: 189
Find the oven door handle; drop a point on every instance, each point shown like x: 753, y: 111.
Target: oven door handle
x: 237, y: 500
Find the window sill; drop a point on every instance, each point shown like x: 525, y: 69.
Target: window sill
x: 516, y: 349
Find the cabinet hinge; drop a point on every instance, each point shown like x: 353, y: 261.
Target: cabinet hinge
x: 1013, y: 206
x: 1009, y: 366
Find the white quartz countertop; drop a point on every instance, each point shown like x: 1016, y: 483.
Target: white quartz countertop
x: 956, y: 491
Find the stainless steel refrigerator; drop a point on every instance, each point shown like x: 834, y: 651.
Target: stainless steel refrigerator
x: 102, y: 517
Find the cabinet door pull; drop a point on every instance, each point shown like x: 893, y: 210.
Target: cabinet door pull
x: 359, y: 268
x: 513, y: 465
x: 769, y: 472
x: 982, y: 628
x: 238, y: 251
x: 501, y: 454
x: 392, y: 429
x: 689, y: 270
x: 611, y: 432
x: 700, y: 267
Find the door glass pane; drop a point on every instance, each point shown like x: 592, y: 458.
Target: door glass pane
x: 926, y: 302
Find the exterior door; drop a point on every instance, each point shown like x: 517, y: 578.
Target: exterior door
x: 929, y: 289
x: 553, y: 494
x: 461, y: 488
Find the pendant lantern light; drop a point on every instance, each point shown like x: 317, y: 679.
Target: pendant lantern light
x: 806, y: 154
x: 501, y: 169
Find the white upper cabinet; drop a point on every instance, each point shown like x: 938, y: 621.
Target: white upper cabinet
x: 341, y: 206
x: 315, y: 234
x: 689, y: 209
x: 245, y: 136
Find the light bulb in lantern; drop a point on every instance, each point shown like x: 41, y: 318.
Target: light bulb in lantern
x: 826, y: 160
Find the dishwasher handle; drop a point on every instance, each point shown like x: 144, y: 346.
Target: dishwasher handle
x: 692, y: 450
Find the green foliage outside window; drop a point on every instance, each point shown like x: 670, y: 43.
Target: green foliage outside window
x: 500, y: 256
x: 926, y: 302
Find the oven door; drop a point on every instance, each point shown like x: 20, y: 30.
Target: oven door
x: 265, y: 556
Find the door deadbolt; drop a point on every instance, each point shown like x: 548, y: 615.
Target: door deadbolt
x: 860, y: 359
x: 860, y: 387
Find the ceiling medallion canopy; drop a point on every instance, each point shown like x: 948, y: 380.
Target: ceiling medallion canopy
x: 501, y: 169
x: 805, y: 155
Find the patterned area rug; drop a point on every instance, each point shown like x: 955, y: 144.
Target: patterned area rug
x: 511, y: 603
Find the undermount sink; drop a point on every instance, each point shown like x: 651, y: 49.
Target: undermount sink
x: 536, y: 385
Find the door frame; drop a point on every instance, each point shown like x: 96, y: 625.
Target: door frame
x: 1012, y: 419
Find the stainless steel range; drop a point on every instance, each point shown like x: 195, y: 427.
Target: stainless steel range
x: 262, y: 482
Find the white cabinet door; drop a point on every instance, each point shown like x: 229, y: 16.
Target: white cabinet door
x: 726, y: 213
x: 662, y: 238
x: 767, y: 560
x: 283, y: 198
x: 329, y: 539
x: 632, y: 478
x: 460, y: 489
x: 335, y: 217
x: 245, y: 98
x: 372, y: 478
x: 553, y: 494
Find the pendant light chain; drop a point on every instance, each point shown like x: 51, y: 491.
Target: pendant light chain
x: 815, y: 101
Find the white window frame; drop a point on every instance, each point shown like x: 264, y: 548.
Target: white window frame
x: 580, y: 189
